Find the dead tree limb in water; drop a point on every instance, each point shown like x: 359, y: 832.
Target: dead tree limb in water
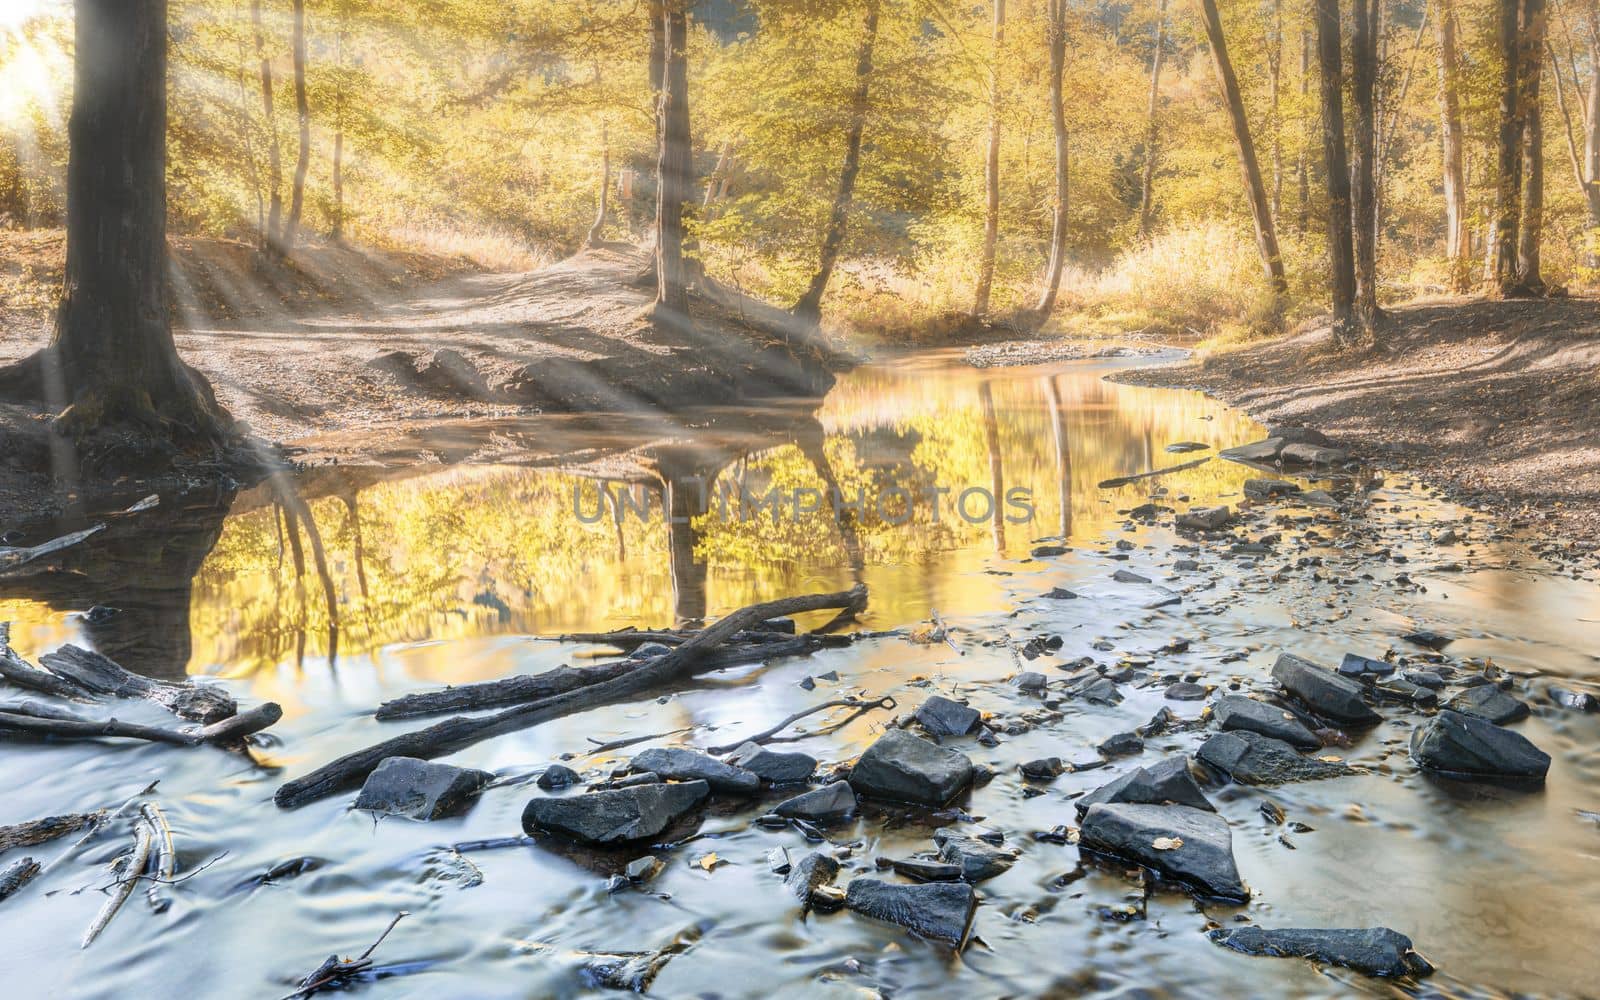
x: 94, y: 674
x: 42, y: 831
x: 1111, y: 484
x: 460, y: 732
x: 28, y: 718
x: 166, y: 858
x: 860, y: 704
x: 127, y: 871
x: 16, y: 875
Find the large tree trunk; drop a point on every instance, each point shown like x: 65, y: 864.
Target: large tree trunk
x: 1057, y: 31
x: 271, y: 239
x: 302, y: 109
x: 1255, y: 190
x: 1364, y: 196
x: 1275, y: 81
x: 597, y: 231
x: 1303, y: 166
x: 1531, y: 55
x: 336, y: 230
x: 1341, y: 249
x: 809, y: 307
x: 1458, y: 240
x: 1152, y: 130
x: 674, y: 167
x: 991, y: 171
x: 112, y: 358
x: 1508, y: 185
x: 1586, y: 164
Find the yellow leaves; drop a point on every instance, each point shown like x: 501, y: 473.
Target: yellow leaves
x: 706, y: 862
x: 1331, y: 759
x: 1167, y: 843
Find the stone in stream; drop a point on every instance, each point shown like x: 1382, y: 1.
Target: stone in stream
x: 942, y: 716
x: 811, y: 873
x: 1186, y: 691
x: 1043, y: 769
x: 1060, y: 594
x: 1323, y: 691
x: 1180, y: 447
x: 976, y: 859
x: 1376, y: 951
x: 1266, y: 489
x: 1031, y: 681
x: 1252, y: 759
x: 1297, y: 453
x: 1424, y: 678
x: 1428, y: 640
x: 1235, y: 712
x: 1128, y: 576
x: 617, y: 815
x: 939, y: 910
x: 678, y: 764
x: 1260, y: 452
x: 1205, y: 518
x: 925, y: 871
x: 558, y: 776
x: 1181, y: 843
x: 771, y: 766
x: 1166, y: 781
x: 1100, y: 690
x: 820, y: 805
x: 1121, y: 744
x: 1453, y: 743
x: 419, y: 789
x: 643, y: 869
x: 1578, y: 701
x: 907, y: 768
x: 1400, y: 689
x: 1487, y: 701
x: 1354, y: 665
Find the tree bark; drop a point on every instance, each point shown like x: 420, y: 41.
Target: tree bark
x: 1057, y: 31
x: 1458, y: 240
x: 1363, y: 83
x: 1303, y: 166
x: 1275, y: 81
x: 991, y: 171
x: 302, y: 109
x: 1341, y: 249
x: 1255, y: 190
x: 270, y: 240
x: 336, y: 231
x: 809, y: 307
x: 1152, y: 131
x: 603, y: 202
x: 1531, y: 55
x: 674, y: 167
x: 112, y: 356
x: 1508, y: 184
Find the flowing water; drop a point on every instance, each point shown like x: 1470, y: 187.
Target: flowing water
x: 350, y: 586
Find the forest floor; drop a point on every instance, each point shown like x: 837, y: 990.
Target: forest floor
x: 1496, y: 402
x: 365, y: 343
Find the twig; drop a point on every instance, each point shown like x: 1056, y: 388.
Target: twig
x: 154, y: 880
x: 619, y: 744
x: 861, y: 705
x: 166, y: 857
x: 335, y: 970
x: 1111, y: 484
x: 16, y: 875
x: 137, y: 862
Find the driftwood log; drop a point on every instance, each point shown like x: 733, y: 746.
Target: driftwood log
x: 16, y: 875
x: 459, y: 732
x: 42, y: 831
x: 1111, y: 484
x: 96, y: 675
x: 32, y: 719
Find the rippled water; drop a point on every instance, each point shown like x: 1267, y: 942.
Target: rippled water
x: 453, y: 574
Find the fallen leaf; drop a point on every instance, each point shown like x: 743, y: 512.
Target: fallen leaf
x: 1167, y: 843
x: 708, y: 861
x: 1330, y: 759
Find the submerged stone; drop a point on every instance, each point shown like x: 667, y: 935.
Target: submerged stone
x: 830, y: 802
x: 907, y: 768
x: 811, y: 873
x: 940, y: 910
x: 1266, y: 489
x: 420, y: 789
x: 1323, y: 691
x: 1181, y: 843
x: 1376, y: 951
x: 1252, y: 759
x: 558, y: 776
x: 771, y: 766
x: 1355, y: 665
x: 1167, y: 781
x: 1186, y: 691
x: 678, y: 764
x: 1236, y: 712
x: 942, y: 716
x: 1487, y: 701
x: 617, y: 815
x: 1466, y: 745
x: 976, y: 859
x: 1205, y: 518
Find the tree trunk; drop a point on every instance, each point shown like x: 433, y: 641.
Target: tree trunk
x: 674, y: 167
x: 302, y: 108
x: 991, y: 171
x: 1303, y: 166
x: 597, y: 231
x: 1255, y: 190
x: 1341, y: 249
x: 1058, y: 117
x: 271, y: 238
x: 1363, y: 83
x: 1152, y: 131
x: 809, y: 307
x: 1591, y: 145
x: 112, y: 357
x: 1508, y: 185
x: 1529, y: 233
x: 1275, y: 80
x: 336, y: 231
x: 1458, y: 240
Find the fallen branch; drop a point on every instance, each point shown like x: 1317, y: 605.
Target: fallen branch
x: 12, y: 558
x: 631, y: 741
x: 336, y: 971
x: 166, y: 858
x: 94, y: 674
x: 42, y: 720
x: 17, y: 670
x: 886, y: 702
x: 1111, y: 484
x: 16, y: 875
x: 134, y: 864
x: 459, y: 732
x: 42, y: 831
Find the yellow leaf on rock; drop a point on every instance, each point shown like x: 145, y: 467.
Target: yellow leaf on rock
x: 1167, y: 843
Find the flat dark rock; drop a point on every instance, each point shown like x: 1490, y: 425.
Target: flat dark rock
x: 678, y: 764
x: 772, y: 766
x: 926, y: 871
x: 1204, y: 518
x: 558, y: 776
x: 1166, y: 781
x: 907, y: 768
x: 1466, y: 745
x: 940, y: 910
x: 1236, y: 712
x: 1323, y: 691
x: 1487, y: 701
x: 617, y: 815
x: 820, y: 805
x: 1356, y: 665
x: 1197, y: 846
x: 814, y: 870
x: 1252, y: 759
x: 943, y: 716
x: 977, y: 859
x: 1186, y: 691
x: 1376, y: 951
x: 420, y: 789
x: 1428, y: 639
x: 1266, y: 489
x: 1260, y: 452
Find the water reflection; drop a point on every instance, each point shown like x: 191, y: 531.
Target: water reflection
x: 345, y: 560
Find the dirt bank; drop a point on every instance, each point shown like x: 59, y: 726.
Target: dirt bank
x: 1494, y: 401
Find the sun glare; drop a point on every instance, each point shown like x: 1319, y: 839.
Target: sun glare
x: 32, y: 64
x: 13, y: 13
